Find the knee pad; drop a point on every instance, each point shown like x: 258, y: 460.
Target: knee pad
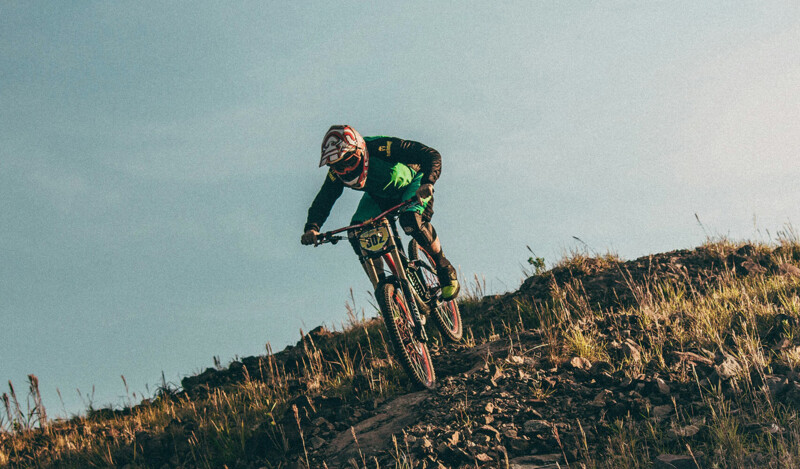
x: 415, y: 225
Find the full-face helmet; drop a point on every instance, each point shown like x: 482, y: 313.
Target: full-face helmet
x: 344, y: 150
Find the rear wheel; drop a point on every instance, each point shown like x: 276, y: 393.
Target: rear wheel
x: 447, y: 316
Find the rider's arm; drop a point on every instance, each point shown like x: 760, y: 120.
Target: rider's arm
x: 428, y: 159
x: 323, y: 203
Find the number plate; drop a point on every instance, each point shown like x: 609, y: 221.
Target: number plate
x: 374, y: 239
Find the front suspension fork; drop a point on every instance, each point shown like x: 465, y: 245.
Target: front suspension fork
x: 419, y: 329
x: 374, y: 269
x: 404, y: 289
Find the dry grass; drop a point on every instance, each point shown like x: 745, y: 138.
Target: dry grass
x: 204, y: 430
x: 731, y: 314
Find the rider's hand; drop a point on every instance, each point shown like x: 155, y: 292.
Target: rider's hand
x: 309, y: 237
x: 425, y: 192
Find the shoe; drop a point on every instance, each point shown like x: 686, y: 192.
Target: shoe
x: 448, y: 281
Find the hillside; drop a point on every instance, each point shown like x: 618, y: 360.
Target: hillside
x: 681, y: 359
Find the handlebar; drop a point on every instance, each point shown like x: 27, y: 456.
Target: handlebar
x: 331, y: 236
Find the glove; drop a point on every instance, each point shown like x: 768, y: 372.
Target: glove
x: 425, y: 192
x: 309, y: 237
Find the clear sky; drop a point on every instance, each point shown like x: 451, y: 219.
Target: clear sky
x: 157, y: 160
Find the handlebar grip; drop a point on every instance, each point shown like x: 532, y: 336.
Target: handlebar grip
x: 327, y: 238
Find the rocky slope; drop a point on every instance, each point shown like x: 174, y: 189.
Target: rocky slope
x: 681, y: 359
x: 514, y: 401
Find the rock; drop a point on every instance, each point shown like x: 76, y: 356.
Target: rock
x: 531, y: 362
x: 520, y: 445
x: 766, y: 428
x: 789, y: 270
x: 454, y: 438
x: 537, y: 426
x: 776, y: 384
x: 661, y: 411
x: 426, y: 443
x: 694, y: 358
x: 662, y: 386
x: 490, y: 431
x: 316, y: 443
x: 674, y: 461
x: 320, y: 332
x: 580, y: 363
x: 535, y: 466
x: 602, y: 398
x: 773, y: 428
x: 536, y: 461
x: 752, y: 267
x: 728, y: 368
x: 782, y: 344
x: 497, y: 374
x: 684, y: 432
x: 632, y: 350
x: 510, y: 433
x: 601, y: 367
x: 321, y: 423
x: 516, y: 359
x: 374, y: 431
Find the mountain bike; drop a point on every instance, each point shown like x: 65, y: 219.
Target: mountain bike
x: 407, y: 293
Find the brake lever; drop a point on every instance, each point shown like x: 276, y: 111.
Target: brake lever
x: 326, y: 238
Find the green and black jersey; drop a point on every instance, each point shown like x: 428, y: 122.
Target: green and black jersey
x: 393, y: 164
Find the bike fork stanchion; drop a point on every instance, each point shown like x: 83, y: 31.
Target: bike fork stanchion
x: 419, y: 329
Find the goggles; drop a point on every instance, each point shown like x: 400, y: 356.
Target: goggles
x: 348, y: 163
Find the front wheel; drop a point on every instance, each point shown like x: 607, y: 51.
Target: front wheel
x: 447, y: 316
x: 414, y: 355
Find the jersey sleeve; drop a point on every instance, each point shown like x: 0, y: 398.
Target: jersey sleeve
x: 323, y: 203
x: 428, y: 159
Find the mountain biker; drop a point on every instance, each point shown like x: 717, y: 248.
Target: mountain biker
x: 389, y: 171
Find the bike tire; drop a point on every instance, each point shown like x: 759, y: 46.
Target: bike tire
x: 414, y: 355
x: 447, y: 315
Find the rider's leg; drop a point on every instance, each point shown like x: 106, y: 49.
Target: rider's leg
x: 367, y: 208
x: 416, y: 222
x: 424, y: 234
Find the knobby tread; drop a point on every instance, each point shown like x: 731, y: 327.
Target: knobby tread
x: 386, y: 300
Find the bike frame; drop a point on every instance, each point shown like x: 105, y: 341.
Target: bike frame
x: 392, y: 255
x: 391, y: 251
